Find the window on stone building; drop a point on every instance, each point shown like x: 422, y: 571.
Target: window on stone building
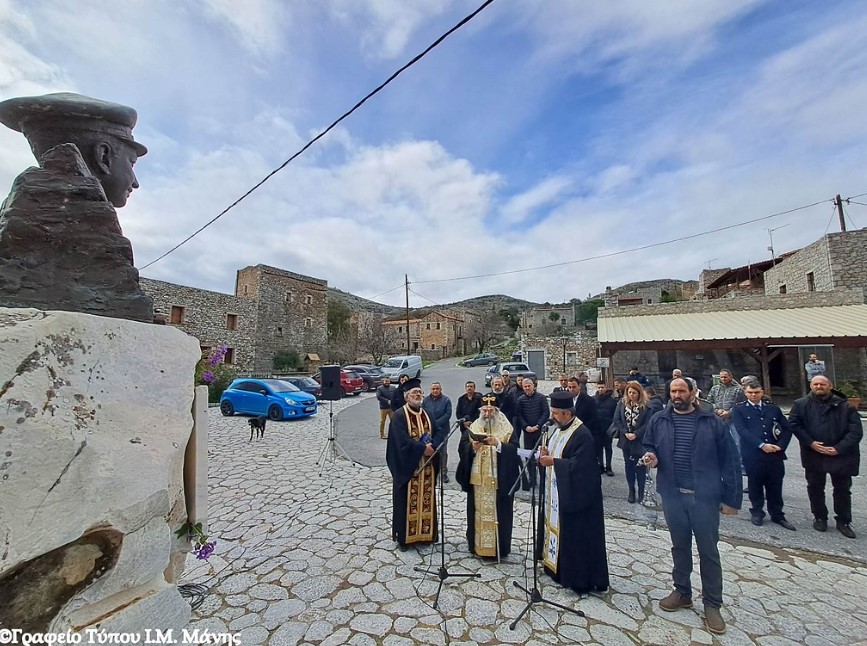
x: 177, y: 316
x: 229, y: 357
x: 415, y: 345
x: 308, y: 322
x: 399, y: 329
x: 403, y: 344
x: 571, y: 358
x: 782, y: 289
x: 650, y: 301
x: 438, y: 325
x: 245, y: 290
x: 308, y: 299
x: 279, y: 331
x: 427, y: 326
x: 433, y: 346
x: 231, y: 321
x: 288, y: 297
x: 811, y: 282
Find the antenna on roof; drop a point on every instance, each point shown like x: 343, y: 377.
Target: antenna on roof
x: 771, y: 236
x: 710, y: 261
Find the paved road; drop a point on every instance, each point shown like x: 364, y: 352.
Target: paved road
x: 304, y: 556
x: 357, y: 433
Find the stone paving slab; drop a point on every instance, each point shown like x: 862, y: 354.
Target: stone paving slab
x: 306, y: 558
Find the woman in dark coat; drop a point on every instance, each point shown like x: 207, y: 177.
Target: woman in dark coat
x: 630, y: 420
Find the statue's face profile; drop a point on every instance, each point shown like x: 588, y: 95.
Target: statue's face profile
x: 115, y: 171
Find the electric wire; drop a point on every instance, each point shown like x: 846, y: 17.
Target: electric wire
x: 388, y: 291
x: 333, y: 125
x: 854, y: 196
x: 849, y: 217
x: 831, y: 219
x: 848, y: 201
x: 625, y: 251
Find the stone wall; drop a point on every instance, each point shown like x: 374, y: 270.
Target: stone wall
x: 779, y: 301
x: 271, y: 310
x: 95, y: 415
x: 836, y: 261
x: 645, y: 296
x: 206, y: 316
x: 291, y: 312
x: 583, y: 344
x: 539, y: 318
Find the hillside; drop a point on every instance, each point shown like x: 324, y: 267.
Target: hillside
x: 356, y: 303
x: 491, y: 301
x: 670, y: 285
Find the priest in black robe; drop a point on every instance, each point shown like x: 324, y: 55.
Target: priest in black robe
x: 571, y: 540
x: 412, y: 439
x: 488, y: 467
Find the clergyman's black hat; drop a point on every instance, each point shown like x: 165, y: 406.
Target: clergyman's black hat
x: 409, y: 384
x: 562, y: 399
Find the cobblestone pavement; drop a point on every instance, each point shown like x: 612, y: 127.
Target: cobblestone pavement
x: 304, y: 558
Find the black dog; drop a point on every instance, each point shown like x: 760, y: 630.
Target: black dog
x: 257, y: 425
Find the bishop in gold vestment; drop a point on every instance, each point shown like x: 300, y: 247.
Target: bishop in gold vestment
x: 488, y: 468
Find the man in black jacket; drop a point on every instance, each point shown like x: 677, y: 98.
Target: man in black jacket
x: 605, y: 407
x: 585, y: 410
x: 829, y: 431
x: 505, y: 401
x: 384, y: 394
x: 531, y: 413
x: 468, y: 406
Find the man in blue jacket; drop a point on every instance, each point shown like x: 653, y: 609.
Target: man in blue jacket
x: 765, y: 434
x: 699, y: 477
x: 439, y: 409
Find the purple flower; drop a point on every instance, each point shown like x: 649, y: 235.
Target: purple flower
x: 208, y: 377
x: 204, y: 551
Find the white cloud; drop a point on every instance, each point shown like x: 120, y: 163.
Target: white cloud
x: 260, y: 25
x: 529, y: 203
x: 387, y: 25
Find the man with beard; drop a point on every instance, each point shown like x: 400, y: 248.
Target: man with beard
x: 619, y: 388
x: 412, y: 438
x: 829, y: 431
x: 488, y: 468
x: 571, y: 539
x: 699, y: 477
x: 505, y: 401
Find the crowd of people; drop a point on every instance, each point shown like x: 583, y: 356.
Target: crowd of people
x: 700, y: 447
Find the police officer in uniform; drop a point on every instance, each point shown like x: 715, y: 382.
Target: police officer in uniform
x: 765, y: 434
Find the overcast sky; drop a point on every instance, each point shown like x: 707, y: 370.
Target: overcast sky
x: 544, y: 131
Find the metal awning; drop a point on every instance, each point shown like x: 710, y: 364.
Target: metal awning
x: 841, y: 325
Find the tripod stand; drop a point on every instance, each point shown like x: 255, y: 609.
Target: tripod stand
x: 331, y: 449
x: 534, y: 595
x: 443, y: 573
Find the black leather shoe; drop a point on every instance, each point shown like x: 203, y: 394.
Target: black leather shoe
x: 446, y: 479
x: 820, y: 525
x: 782, y: 522
x: 844, y: 529
x: 609, y: 472
x: 756, y: 520
x: 631, y: 496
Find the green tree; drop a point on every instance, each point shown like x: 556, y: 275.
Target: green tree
x: 287, y: 360
x: 587, y: 312
x: 511, y: 317
x: 339, y: 316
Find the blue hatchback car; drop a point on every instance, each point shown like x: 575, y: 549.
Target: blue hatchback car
x: 274, y: 398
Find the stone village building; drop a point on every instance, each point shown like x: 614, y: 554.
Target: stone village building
x: 831, y: 273
x: 272, y: 309
x: 433, y: 334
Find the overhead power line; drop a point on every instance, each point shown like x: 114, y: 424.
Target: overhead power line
x: 625, y: 251
x: 333, y: 125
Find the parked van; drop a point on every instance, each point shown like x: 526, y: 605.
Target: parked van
x: 409, y: 365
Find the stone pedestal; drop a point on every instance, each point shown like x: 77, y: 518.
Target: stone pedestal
x: 95, y: 414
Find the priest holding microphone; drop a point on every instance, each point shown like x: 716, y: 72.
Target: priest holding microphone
x: 571, y: 539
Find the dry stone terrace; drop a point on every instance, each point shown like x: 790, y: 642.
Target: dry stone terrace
x: 307, y: 559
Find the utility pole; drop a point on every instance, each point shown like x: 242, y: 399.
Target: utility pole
x: 406, y: 283
x: 771, y: 236
x: 839, y: 203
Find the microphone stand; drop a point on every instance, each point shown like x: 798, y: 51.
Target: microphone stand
x: 442, y: 573
x: 534, y: 595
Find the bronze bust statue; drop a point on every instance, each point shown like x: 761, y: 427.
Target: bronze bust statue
x: 101, y: 130
x: 61, y: 245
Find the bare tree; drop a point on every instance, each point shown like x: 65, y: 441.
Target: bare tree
x: 375, y: 338
x: 482, y: 327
